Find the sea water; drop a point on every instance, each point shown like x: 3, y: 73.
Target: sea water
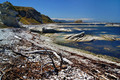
x: 104, y: 47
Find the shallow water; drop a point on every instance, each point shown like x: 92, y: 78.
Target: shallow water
x: 110, y: 48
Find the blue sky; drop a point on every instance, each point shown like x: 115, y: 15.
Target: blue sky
x: 95, y: 10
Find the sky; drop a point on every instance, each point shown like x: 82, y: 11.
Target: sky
x: 87, y: 10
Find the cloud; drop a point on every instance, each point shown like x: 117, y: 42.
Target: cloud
x: 69, y: 19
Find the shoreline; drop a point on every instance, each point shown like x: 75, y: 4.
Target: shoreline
x: 83, y: 51
x: 114, y: 59
x: 58, y: 48
x: 88, y: 64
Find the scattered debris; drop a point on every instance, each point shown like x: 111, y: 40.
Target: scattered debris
x: 26, y: 57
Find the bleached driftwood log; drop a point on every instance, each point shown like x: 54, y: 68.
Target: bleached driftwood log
x: 39, y: 51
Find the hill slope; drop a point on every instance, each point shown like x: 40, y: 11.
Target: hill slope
x: 46, y: 19
x: 25, y: 15
x: 29, y: 15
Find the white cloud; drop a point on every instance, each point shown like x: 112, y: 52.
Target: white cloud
x: 69, y: 19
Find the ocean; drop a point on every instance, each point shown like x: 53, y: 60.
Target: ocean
x: 104, y: 47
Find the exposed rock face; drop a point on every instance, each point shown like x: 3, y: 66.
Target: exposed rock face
x: 29, y: 15
x: 14, y: 15
x: 8, y: 15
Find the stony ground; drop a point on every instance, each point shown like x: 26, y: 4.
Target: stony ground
x: 26, y: 55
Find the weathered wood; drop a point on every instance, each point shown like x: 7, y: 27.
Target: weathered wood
x: 2, y: 75
x: 20, y: 53
x: 61, y: 62
x: 55, y: 68
x: 39, y: 51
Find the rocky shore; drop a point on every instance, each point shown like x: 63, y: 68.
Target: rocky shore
x: 55, y: 28
x: 29, y: 55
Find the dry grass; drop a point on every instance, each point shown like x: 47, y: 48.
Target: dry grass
x: 28, y: 21
x: 22, y: 8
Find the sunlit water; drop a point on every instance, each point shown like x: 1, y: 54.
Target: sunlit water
x: 110, y: 48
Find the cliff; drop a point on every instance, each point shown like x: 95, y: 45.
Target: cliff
x: 29, y: 15
x: 13, y: 15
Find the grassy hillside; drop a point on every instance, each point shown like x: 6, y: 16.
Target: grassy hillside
x: 31, y: 20
x: 28, y: 21
x: 46, y: 19
x: 22, y: 8
x: 29, y: 15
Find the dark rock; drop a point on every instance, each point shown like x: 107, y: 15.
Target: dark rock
x: 8, y: 15
x: 44, y: 30
x: 22, y: 13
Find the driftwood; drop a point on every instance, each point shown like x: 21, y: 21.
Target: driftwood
x: 2, y: 75
x: 20, y: 54
x: 61, y: 61
x: 41, y: 63
x: 39, y: 51
x: 55, y: 68
x: 48, y: 53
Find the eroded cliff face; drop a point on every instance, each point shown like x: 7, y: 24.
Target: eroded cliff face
x: 13, y: 15
x: 29, y: 15
x: 8, y: 15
